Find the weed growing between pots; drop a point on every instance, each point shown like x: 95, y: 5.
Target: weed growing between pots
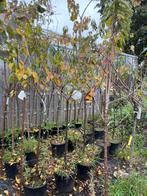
x: 135, y: 184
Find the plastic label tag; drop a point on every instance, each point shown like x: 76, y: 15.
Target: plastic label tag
x: 22, y: 95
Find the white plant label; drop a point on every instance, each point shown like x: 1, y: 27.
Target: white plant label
x: 139, y: 113
x: 7, y: 101
x: 76, y: 95
x: 22, y: 95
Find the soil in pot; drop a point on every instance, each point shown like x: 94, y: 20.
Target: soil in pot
x: 11, y: 170
x: 64, y: 184
x: 58, y: 150
x: 83, y: 171
x: 114, y: 146
x: 31, y: 159
x: 99, y: 134
x: 71, y: 146
x: 39, y: 191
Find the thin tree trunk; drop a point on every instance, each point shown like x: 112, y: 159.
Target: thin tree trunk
x: 93, y: 125
x: 12, y: 127
x: 84, y: 124
x: 22, y: 142
x: 66, y: 134
x: 106, y: 121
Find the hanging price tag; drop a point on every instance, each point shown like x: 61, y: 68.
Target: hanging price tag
x: 76, y: 95
x: 22, y: 95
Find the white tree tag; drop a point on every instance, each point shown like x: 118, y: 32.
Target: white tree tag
x: 76, y: 95
x: 139, y: 113
x: 22, y: 95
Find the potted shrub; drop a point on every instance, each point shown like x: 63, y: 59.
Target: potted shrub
x: 34, y: 181
x: 58, y: 145
x: 87, y: 160
x: 30, y: 147
x: 11, y: 160
x: 64, y: 177
x: 74, y: 138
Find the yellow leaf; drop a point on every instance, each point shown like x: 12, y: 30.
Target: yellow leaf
x: 11, y: 65
x: 35, y: 77
x: 49, y: 76
x: 12, y: 93
x: 17, y: 180
x: 6, y: 192
x: 25, y: 76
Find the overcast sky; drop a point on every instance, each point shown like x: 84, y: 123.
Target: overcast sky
x: 61, y: 17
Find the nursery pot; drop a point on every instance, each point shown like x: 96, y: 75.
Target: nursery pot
x: 114, y: 146
x: 99, y: 134
x: 58, y: 150
x: 64, y: 184
x: 102, y: 152
x: 39, y: 191
x: 44, y: 133
x: 11, y: 170
x: 54, y: 131
x: 78, y: 125
x: 83, y: 171
x: 89, y: 138
x: 71, y: 146
x: 63, y: 127
x: 31, y: 159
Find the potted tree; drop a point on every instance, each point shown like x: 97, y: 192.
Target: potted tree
x: 64, y: 177
x: 58, y: 145
x: 74, y: 138
x: 30, y: 148
x: 87, y: 160
x: 11, y: 160
x: 34, y: 181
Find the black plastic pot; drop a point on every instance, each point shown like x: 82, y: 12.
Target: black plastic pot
x: 39, y: 191
x: 78, y: 125
x: 83, y: 172
x: 99, y: 134
x: 58, y: 150
x: 102, y: 152
x: 31, y: 159
x: 114, y: 146
x: 54, y: 131
x: 11, y: 170
x: 89, y: 138
x: 44, y: 133
x: 71, y: 146
x: 64, y: 184
x: 64, y: 127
